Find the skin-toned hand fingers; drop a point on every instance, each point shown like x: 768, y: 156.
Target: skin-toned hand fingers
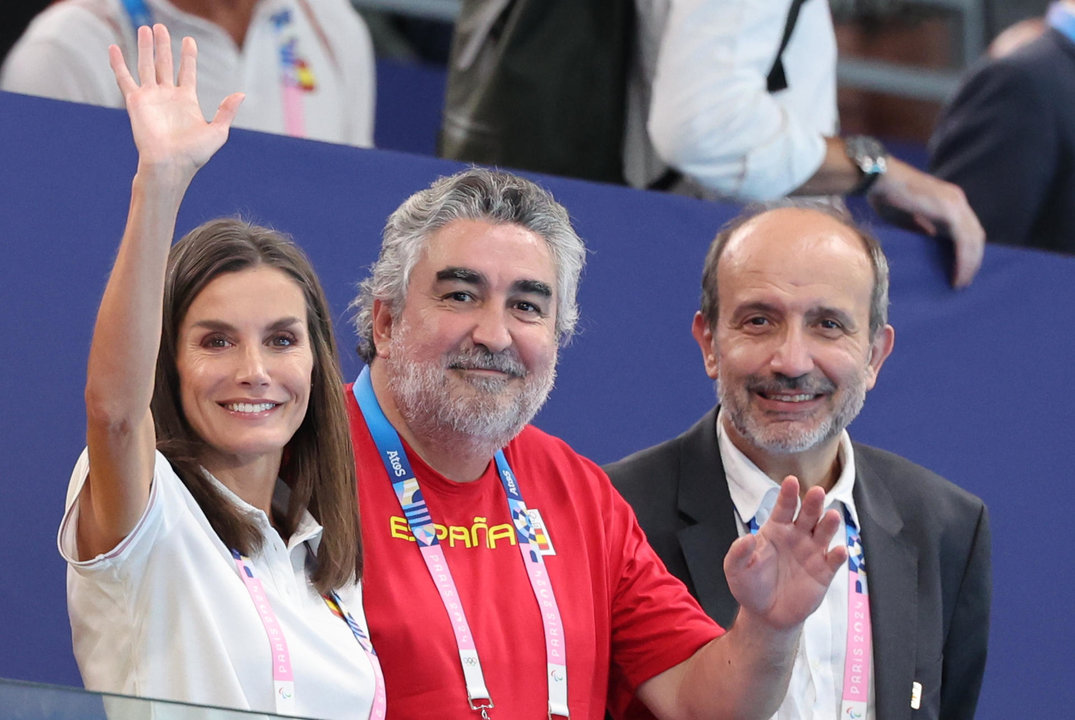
x: 787, y: 501
x: 229, y: 107
x: 188, y: 63
x: 969, y: 241
x: 163, y: 48
x: 925, y: 224
x: 836, y: 557
x: 147, y: 75
x: 813, y: 506
x: 124, y: 79
x: 937, y: 207
x: 740, y: 553
x: 967, y: 263
x: 968, y: 237
x: 826, y: 527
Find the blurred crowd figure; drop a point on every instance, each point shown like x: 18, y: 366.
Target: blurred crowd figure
x: 738, y: 99
x: 306, y: 66
x: 1003, y: 14
x: 1006, y: 135
x: 702, y: 117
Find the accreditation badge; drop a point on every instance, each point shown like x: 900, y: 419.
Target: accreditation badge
x: 541, y: 534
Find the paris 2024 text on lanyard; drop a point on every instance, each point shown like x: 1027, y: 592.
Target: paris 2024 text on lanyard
x: 859, y: 639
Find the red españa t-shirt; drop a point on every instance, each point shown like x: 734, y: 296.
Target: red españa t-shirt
x: 622, y: 611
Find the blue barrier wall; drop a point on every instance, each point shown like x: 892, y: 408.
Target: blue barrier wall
x: 979, y: 387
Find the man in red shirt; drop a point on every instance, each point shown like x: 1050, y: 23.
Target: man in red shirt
x: 487, y: 539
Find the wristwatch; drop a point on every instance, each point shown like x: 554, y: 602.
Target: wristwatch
x: 869, y: 156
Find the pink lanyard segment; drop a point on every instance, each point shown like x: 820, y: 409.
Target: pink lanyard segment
x: 859, y: 638
x: 282, y: 674
x: 282, y: 677
x: 292, y: 84
x: 380, y: 703
x: 859, y: 647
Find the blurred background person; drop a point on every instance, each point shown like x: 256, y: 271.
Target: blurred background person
x: 730, y: 100
x: 306, y: 66
x: 1000, y: 15
x: 736, y: 100
x: 1006, y: 136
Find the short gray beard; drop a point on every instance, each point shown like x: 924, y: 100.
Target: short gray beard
x: 482, y: 422
x: 777, y: 438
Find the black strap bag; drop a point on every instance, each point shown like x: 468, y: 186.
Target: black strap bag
x: 540, y: 85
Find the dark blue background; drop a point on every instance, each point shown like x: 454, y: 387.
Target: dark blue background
x: 979, y: 387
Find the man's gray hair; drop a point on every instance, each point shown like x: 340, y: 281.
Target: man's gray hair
x: 879, y: 296
x: 473, y: 194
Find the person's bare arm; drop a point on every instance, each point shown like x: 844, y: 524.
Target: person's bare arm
x: 910, y: 198
x: 173, y: 141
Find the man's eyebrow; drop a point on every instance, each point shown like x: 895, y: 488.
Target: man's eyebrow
x: 532, y: 287
x: 462, y: 274
x: 473, y: 277
x: 756, y: 306
x: 815, y: 313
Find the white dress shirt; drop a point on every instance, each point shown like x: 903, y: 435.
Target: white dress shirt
x: 64, y: 55
x: 165, y: 614
x: 698, y: 100
x: 817, y: 678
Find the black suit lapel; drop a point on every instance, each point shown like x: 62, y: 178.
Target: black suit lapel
x: 892, y: 575
x: 891, y: 564
x: 705, y: 500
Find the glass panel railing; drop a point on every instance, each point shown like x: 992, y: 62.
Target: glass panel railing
x: 21, y: 700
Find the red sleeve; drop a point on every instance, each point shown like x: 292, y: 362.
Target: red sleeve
x: 656, y: 623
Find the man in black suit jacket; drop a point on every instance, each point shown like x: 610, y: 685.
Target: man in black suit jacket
x: 1008, y: 139
x: 793, y: 326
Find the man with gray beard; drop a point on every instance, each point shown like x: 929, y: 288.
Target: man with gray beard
x: 793, y: 329
x: 504, y: 575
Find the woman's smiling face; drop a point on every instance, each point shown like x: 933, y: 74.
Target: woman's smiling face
x: 245, y: 364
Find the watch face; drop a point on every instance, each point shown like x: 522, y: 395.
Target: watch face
x: 870, y: 157
x: 873, y: 165
x: 868, y: 153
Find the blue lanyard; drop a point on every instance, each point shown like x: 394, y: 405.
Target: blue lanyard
x: 138, y: 13
x: 856, y: 558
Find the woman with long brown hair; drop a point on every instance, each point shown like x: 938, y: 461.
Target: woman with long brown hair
x: 212, y: 526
